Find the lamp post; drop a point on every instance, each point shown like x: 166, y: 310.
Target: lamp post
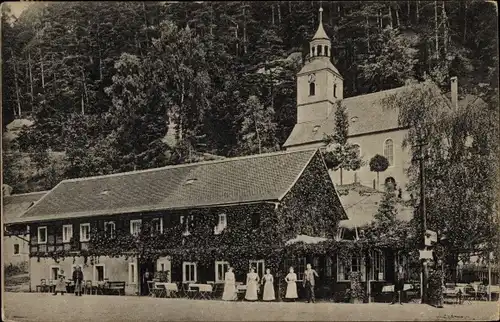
x: 421, y: 159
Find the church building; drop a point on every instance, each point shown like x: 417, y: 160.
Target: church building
x: 372, y: 127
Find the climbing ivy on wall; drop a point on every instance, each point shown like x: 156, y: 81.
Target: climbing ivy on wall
x: 309, y: 208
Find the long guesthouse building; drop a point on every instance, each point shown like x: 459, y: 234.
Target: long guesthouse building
x: 202, y: 217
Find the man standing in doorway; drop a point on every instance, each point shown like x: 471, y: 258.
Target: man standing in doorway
x: 309, y: 283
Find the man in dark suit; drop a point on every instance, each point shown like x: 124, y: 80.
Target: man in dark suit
x: 399, y: 285
x: 309, y: 282
x: 78, y: 280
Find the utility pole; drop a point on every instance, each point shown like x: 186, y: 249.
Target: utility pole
x: 421, y: 160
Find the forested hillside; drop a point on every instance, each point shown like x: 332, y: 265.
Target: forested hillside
x: 102, y: 81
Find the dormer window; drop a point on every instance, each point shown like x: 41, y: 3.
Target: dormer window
x: 221, y: 225
x: 135, y: 227
x: 110, y: 228
x: 316, y: 128
x: 187, y: 222
x: 157, y: 225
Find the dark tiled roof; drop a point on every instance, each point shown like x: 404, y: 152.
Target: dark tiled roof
x: 264, y: 177
x: 371, y: 116
x: 15, y: 205
x: 361, y: 204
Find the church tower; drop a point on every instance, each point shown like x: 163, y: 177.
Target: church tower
x: 319, y: 83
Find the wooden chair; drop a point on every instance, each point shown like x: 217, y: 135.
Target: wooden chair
x: 172, y: 290
x: 88, y: 287
x: 159, y: 290
x: 192, y: 291
x: 43, y: 287
x: 240, y: 291
x: 151, y: 288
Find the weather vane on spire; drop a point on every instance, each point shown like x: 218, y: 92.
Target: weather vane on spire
x: 320, y: 13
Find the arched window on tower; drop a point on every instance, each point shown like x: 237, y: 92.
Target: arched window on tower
x: 327, y: 51
x: 312, y: 89
x: 335, y: 90
x: 313, y: 51
x: 320, y: 50
x: 389, y: 151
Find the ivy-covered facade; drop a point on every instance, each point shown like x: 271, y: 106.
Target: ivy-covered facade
x: 294, y: 196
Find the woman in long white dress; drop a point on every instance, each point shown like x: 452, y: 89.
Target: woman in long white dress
x: 268, y: 281
x: 291, y: 288
x: 252, y: 284
x: 229, y: 286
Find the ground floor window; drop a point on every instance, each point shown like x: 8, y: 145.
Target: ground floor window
x: 132, y: 273
x: 221, y: 268
x: 259, y: 266
x: 162, y: 264
x: 189, y: 272
x: 352, y: 264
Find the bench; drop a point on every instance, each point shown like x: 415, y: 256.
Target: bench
x: 119, y: 287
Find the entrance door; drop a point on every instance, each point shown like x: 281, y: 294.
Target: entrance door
x: 143, y: 268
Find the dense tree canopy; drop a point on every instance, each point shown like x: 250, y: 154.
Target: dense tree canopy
x: 103, y: 81
x: 460, y: 153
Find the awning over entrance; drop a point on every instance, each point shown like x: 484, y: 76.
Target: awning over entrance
x: 306, y: 240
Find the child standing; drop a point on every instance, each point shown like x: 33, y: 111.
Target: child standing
x: 61, y: 283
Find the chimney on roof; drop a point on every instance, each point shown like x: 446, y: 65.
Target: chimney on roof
x: 454, y: 92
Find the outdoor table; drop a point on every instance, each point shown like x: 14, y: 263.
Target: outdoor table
x: 390, y: 288
x: 197, y: 286
x: 169, y: 287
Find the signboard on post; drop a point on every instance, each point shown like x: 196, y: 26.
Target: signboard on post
x: 430, y: 237
x: 425, y: 254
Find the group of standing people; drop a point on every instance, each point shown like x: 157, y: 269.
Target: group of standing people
x: 252, y: 283
x: 77, y: 281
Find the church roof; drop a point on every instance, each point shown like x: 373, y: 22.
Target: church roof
x: 320, y: 33
x: 366, y: 115
x: 256, y: 178
x: 318, y: 64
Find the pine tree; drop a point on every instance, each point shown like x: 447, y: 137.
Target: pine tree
x: 257, y: 127
x: 387, y: 211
